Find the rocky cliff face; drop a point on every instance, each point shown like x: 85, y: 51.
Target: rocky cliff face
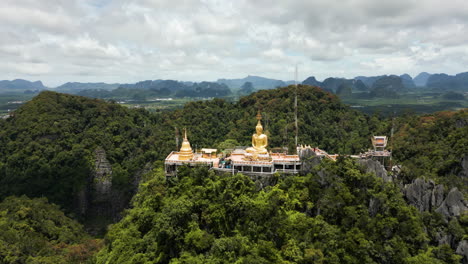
x: 464, y: 166
x: 423, y: 194
x: 462, y: 250
x: 99, y: 203
x: 430, y: 197
x: 101, y: 185
x: 426, y: 196
x: 374, y: 166
x: 453, y: 205
x: 308, y: 160
x: 102, y: 179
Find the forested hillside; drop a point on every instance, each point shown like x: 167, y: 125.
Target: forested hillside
x: 90, y: 156
x: 323, y: 120
x: 336, y: 214
x: 434, y: 146
x: 47, y: 147
x: 34, y: 231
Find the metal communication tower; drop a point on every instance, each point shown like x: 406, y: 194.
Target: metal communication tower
x: 295, y: 105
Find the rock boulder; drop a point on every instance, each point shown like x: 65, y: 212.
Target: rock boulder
x: 424, y: 195
x: 374, y: 166
x: 453, y: 205
x: 462, y: 250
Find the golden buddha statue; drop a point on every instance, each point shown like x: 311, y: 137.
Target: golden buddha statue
x: 185, y: 152
x: 259, y: 140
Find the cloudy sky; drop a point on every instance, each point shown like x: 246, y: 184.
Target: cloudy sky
x: 125, y: 41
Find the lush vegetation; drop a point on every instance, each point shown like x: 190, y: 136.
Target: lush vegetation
x: 34, y: 231
x: 323, y: 120
x: 335, y: 214
x: 47, y: 148
x: 433, y: 146
x: 204, y: 218
x: 419, y: 102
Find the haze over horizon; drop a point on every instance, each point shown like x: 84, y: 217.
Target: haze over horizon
x: 128, y: 41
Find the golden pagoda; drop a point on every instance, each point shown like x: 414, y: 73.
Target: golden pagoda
x: 185, y: 152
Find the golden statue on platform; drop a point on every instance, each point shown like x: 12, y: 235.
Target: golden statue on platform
x: 259, y: 140
x: 185, y: 152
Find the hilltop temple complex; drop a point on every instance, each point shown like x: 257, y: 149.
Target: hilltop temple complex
x: 257, y: 160
x: 253, y: 160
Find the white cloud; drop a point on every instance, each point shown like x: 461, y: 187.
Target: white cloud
x: 27, y: 68
x: 127, y: 41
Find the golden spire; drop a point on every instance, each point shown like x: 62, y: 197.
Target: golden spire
x: 185, y: 152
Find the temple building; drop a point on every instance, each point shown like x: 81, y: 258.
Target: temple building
x: 186, y: 157
x: 254, y: 161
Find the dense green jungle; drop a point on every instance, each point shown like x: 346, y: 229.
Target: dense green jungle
x: 57, y: 151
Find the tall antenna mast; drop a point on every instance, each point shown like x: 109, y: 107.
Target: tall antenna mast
x: 391, y: 139
x: 295, y: 104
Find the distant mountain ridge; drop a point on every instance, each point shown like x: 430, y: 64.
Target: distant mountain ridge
x: 180, y: 89
x: 311, y: 81
x: 437, y: 82
x: 20, y: 84
x: 421, y: 79
x: 343, y: 86
x: 84, y: 86
x: 392, y: 85
x: 368, y: 81
x: 257, y: 82
x: 442, y: 81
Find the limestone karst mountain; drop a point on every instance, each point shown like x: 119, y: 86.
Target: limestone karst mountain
x: 20, y: 85
x: 257, y: 81
x: 421, y: 79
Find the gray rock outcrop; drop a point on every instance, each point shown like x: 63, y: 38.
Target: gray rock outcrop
x: 308, y: 160
x: 102, y: 180
x: 464, y: 166
x: 443, y: 237
x: 374, y: 206
x: 104, y: 202
x: 453, y: 205
x: 98, y: 189
x: 462, y: 250
x: 262, y: 181
x: 374, y: 166
x: 424, y: 195
x: 100, y: 202
x: 460, y: 123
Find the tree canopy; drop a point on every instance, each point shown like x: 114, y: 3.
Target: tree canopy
x: 202, y: 217
x: 34, y: 231
x: 337, y: 213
